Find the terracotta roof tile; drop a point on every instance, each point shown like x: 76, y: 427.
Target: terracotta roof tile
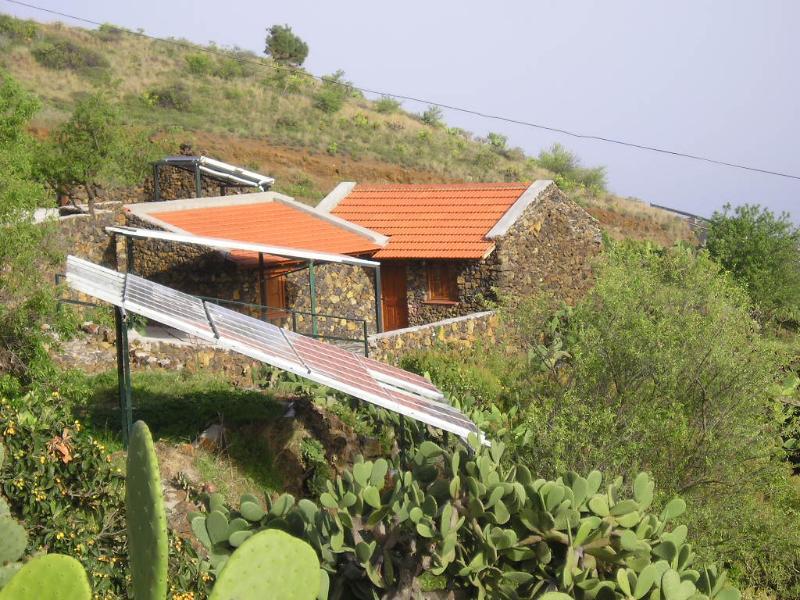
x: 268, y: 223
x: 431, y: 221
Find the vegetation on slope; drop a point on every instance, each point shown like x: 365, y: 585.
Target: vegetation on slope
x: 325, y: 130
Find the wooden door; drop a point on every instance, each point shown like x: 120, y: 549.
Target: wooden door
x: 395, y: 296
x: 276, y: 296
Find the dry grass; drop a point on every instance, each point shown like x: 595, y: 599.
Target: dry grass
x: 307, y: 150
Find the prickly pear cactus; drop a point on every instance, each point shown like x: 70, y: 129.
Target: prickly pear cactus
x: 270, y: 564
x: 49, y: 576
x: 487, y: 526
x: 148, y: 548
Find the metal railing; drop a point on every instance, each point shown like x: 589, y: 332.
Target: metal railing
x: 281, y: 317
x: 296, y: 320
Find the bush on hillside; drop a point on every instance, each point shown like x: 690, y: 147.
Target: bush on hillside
x: 432, y: 116
x: 175, y: 96
x: 27, y: 249
x: 108, y: 33
x: 566, y: 165
x: 199, y: 63
x: 17, y: 30
x: 64, y: 54
x: 660, y: 368
x: 387, y: 105
x: 762, y: 251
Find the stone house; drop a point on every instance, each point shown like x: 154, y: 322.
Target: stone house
x: 453, y: 248
x: 444, y: 250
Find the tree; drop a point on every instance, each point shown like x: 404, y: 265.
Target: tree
x: 762, y: 251
x: 285, y: 47
x: 94, y: 146
x: 432, y: 116
x: 25, y: 246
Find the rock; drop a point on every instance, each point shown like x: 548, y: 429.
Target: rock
x: 212, y: 439
x: 90, y: 328
x: 164, y: 363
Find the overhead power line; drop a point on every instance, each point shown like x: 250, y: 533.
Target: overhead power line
x: 469, y: 111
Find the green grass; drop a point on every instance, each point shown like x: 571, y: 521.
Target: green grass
x: 178, y: 406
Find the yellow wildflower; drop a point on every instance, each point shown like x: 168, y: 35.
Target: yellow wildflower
x: 60, y: 535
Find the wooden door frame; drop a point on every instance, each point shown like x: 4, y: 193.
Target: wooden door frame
x: 393, y: 267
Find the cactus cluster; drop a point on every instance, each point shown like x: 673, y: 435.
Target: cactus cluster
x: 491, y: 528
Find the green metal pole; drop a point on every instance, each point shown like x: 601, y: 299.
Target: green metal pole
x: 312, y: 284
x: 123, y: 374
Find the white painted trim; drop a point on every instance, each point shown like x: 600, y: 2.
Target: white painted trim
x: 510, y: 217
x: 337, y: 194
x: 145, y: 208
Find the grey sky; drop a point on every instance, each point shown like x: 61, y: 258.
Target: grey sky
x: 717, y: 78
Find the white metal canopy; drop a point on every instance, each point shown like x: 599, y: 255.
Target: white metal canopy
x: 225, y: 244
x: 383, y: 385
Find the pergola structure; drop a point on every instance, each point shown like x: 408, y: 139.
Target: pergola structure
x: 228, y: 176
x: 309, y: 257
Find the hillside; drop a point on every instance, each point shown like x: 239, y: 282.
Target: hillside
x: 245, y: 109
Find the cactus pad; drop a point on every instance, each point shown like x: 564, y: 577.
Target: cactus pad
x: 13, y: 540
x: 147, y: 523
x: 271, y: 564
x: 49, y: 576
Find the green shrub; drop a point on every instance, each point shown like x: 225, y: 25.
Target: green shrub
x: 566, y: 165
x: 175, y: 96
x: 329, y: 99
x: 64, y: 54
x: 432, y: 116
x: 387, y: 105
x: 762, y: 251
x: 109, y: 33
x: 68, y: 488
x: 199, y: 64
x: 17, y: 30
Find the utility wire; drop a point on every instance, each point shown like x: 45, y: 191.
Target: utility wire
x: 468, y: 111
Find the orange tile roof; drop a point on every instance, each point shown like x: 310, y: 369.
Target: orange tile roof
x: 270, y: 223
x: 431, y: 221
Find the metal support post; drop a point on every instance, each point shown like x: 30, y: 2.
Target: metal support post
x: 378, y: 301
x: 262, y: 286
x: 123, y: 373
x: 198, y: 183
x: 366, y: 339
x: 312, y: 284
x: 129, y: 254
x: 156, y: 182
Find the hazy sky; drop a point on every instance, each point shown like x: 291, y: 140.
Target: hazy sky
x: 709, y: 77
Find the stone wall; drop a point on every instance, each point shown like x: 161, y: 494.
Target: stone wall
x: 342, y: 290
x: 84, y: 235
x: 475, y: 288
x: 457, y: 332
x: 549, y: 248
